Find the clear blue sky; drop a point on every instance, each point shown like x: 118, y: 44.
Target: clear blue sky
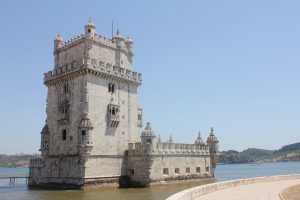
x: 233, y: 65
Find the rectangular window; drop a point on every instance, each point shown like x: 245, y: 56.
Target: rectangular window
x: 139, y: 117
x: 111, y: 87
x: 82, y: 135
x: 207, y: 169
x: 176, y: 170
x: 66, y: 89
x: 130, y: 172
x: 198, y: 170
x: 166, y: 171
x: 64, y: 134
x: 188, y: 170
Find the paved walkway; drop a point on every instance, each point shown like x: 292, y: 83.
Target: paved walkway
x: 257, y: 191
x: 291, y: 193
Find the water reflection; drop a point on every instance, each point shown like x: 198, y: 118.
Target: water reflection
x: 155, y: 192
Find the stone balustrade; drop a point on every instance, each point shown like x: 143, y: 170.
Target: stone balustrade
x: 171, y: 148
x: 198, y: 191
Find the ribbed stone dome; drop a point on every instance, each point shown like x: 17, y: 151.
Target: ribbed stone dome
x: 212, y: 137
x: 199, y: 140
x: 59, y: 38
x: 45, y: 129
x: 90, y: 23
x: 85, y: 122
x: 148, y: 132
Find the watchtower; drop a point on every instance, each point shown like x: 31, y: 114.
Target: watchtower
x: 92, y: 108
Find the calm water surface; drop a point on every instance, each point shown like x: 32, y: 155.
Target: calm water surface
x: 159, y: 192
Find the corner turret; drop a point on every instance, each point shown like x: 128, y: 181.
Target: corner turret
x: 45, y: 141
x: 118, y: 38
x: 89, y: 29
x: 199, y: 141
x: 58, y: 41
x: 129, y: 44
x: 213, y: 144
x: 148, y: 138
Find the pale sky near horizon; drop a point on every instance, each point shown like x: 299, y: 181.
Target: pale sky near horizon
x: 233, y: 65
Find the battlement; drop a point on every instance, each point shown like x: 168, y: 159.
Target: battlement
x: 97, y: 66
x: 102, y: 39
x: 73, y: 41
x: 169, y: 149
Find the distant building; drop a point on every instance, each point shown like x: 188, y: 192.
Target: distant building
x: 92, y: 131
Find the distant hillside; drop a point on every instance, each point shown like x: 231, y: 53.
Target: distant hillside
x: 15, y: 160
x: 286, y: 153
x: 290, y: 147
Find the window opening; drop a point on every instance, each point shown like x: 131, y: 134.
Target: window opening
x: 64, y: 134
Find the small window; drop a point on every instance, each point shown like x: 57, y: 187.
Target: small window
x: 130, y: 172
x: 89, y: 30
x: 64, y: 134
x: 207, y: 169
x: 65, y: 110
x: 139, y: 117
x: 166, y: 171
x: 66, y: 89
x: 111, y: 87
x: 149, y: 141
x: 82, y: 135
x: 188, y: 170
x: 176, y: 170
x: 198, y: 170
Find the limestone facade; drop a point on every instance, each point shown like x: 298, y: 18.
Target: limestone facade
x: 92, y: 131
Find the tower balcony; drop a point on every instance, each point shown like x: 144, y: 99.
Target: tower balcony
x: 113, y: 115
x: 113, y: 120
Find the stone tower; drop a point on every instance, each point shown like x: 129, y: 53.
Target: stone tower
x: 213, y: 144
x: 92, y: 110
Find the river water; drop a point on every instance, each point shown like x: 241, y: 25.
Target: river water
x: 157, y: 192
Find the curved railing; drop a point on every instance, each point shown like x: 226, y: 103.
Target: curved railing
x: 198, y: 191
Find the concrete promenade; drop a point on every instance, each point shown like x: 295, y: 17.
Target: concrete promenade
x: 256, y: 191
x: 259, y: 188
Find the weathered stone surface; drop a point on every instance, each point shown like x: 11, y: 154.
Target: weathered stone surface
x: 92, y: 132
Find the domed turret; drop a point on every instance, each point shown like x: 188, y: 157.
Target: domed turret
x: 129, y: 43
x: 212, y: 137
x: 85, y: 126
x: 45, y: 141
x: 213, y: 144
x: 199, y: 140
x: 148, y: 132
x: 118, y: 38
x: 58, y: 41
x: 171, y: 139
x: 85, y: 122
x: 89, y: 29
x: 148, y: 138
